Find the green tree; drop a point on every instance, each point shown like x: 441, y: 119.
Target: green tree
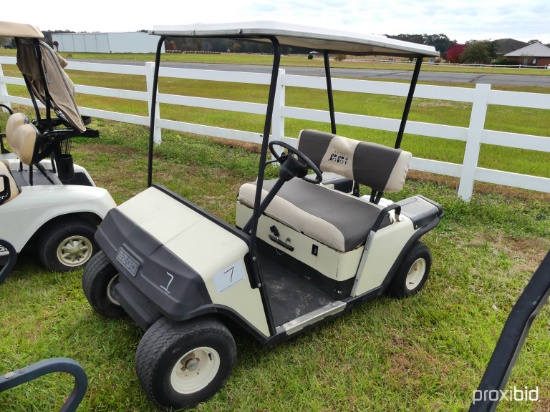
x: 476, y: 52
x: 440, y: 41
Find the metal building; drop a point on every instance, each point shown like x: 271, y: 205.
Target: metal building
x: 136, y: 42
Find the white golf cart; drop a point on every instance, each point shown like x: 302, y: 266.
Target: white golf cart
x: 46, y: 200
x: 302, y: 252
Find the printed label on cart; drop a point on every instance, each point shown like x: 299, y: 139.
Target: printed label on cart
x: 129, y: 263
x: 229, y: 276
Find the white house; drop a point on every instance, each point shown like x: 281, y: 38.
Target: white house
x: 536, y: 54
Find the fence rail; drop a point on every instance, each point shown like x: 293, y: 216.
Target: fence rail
x: 474, y: 135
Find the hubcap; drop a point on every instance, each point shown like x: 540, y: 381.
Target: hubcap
x: 74, y: 251
x: 416, y: 273
x: 195, y: 370
x: 110, y: 287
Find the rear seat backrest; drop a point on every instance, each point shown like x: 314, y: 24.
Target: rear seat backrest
x: 14, y: 191
x: 26, y: 140
x: 14, y: 121
x: 379, y: 167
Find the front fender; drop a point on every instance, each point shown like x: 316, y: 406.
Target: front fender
x: 35, y: 206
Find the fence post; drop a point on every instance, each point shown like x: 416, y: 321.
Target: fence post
x: 3, y: 90
x: 149, y: 74
x: 473, y: 142
x: 278, y: 121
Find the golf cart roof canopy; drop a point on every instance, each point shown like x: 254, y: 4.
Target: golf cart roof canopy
x: 312, y: 38
x: 28, y: 31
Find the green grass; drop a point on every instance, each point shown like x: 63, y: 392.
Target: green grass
x: 425, y: 353
x: 500, y: 118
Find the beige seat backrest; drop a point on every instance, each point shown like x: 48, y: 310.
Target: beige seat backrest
x: 379, y: 167
x: 14, y: 191
x: 14, y: 121
x: 25, y: 142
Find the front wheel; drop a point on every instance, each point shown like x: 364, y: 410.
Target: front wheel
x: 98, y: 282
x: 180, y: 364
x: 413, y: 272
x: 67, y: 245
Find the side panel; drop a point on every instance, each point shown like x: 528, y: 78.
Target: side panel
x: 380, y: 253
x: 331, y: 263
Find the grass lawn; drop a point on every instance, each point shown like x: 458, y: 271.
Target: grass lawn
x: 425, y: 353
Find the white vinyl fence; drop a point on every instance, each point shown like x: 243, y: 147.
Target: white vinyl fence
x: 474, y: 135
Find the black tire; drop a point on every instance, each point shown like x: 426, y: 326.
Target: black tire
x: 413, y: 272
x: 66, y: 245
x: 167, y: 344
x: 98, y: 280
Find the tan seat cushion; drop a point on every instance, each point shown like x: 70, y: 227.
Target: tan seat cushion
x: 4, y: 171
x: 24, y: 143
x: 14, y: 121
x: 333, y: 218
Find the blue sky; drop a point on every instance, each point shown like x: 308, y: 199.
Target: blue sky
x: 459, y: 20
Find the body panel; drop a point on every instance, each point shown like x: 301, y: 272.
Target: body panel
x: 36, y: 205
x: 210, y: 250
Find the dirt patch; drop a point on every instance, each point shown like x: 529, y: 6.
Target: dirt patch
x: 526, y: 252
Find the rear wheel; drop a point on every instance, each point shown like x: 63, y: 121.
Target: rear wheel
x: 98, y: 282
x: 412, y: 273
x: 182, y: 364
x: 67, y: 245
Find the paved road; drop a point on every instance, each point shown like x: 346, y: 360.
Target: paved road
x: 523, y: 80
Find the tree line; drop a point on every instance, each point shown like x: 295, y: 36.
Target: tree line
x: 473, y: 51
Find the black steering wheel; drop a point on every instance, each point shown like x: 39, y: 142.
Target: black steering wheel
x: 300, y: 162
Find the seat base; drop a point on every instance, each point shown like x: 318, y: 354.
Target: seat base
x: 336, y: 219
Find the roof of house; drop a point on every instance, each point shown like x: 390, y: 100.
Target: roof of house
x: 532, y: 50
x: 509, y: 45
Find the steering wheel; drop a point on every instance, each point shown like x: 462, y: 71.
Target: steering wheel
x: 300, y: 162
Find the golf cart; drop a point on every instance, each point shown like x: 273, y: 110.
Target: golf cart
x: 302, y: 252
x: 54, y: 365
x: 48, y: 85
x: 46, y: 200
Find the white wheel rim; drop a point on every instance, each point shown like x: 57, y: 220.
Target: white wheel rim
x: 195, y: 370
x: 416, y: 274
x: 110, y: 287
x: 74, y: 251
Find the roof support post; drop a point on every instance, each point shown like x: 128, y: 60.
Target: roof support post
x: 153, y: 111
x: 329, y: 93
x: 408, y: 103
x: 259, y: 185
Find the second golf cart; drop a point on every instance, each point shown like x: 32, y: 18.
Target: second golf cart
x: 301, y: 253
x: 46, y: 201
